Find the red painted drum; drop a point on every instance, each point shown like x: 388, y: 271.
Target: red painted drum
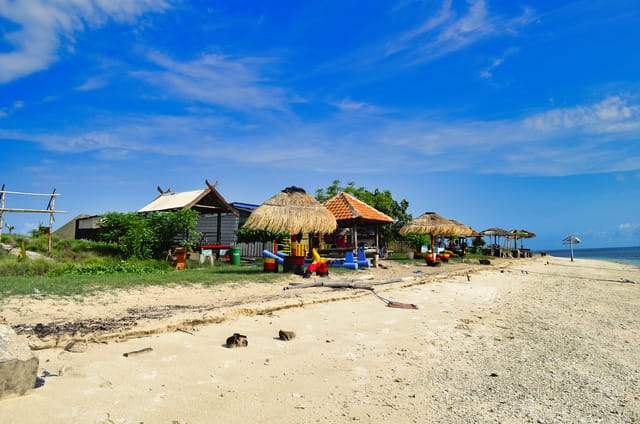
x: 270, y: 265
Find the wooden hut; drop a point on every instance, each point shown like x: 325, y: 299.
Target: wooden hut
x: 351, y: 212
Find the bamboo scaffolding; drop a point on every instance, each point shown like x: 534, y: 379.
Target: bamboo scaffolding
x: 50, y: 208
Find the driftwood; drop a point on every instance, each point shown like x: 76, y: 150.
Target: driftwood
x: 137, y: 352
x: 345, y: 284
x: 351, y: 284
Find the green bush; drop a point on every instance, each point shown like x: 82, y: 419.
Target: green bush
x: 11, y: 265
x: 149, y: 236
x: 102, y: 269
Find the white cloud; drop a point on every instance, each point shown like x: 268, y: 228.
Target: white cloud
x: 372, y: 137
x: 43, y: 26
x: 217, y: 80
x: 92, y: 83
x: 628, y: 227
x: 612, y: 115
x: 449, y: 31
x: 487, y: 73
x: 7, y: 111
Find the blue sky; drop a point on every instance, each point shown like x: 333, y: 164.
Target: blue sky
x: 512, y: 114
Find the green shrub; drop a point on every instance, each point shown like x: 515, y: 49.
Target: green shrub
x: 102, y: 269
x: 11, y: 265
x: 149, y: 236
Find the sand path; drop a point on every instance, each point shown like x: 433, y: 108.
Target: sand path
x: 541, y: 340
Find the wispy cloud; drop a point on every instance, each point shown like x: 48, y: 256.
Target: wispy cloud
x: 238, y: 84
x: 583, y: 139
x: 450, y: 30
x: 487, y: 73
x: 610, y: 116
x: 8, y: 111
x: 42, y: 27
x: 628, y: 231
x: 93, y: 83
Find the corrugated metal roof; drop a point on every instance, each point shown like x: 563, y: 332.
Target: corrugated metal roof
x: 171, y: 200
x: 347, y: 207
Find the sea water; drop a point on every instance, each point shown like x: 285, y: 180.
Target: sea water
x: 626, y: 255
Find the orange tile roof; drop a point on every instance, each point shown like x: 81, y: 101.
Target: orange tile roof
x: 347, y: 207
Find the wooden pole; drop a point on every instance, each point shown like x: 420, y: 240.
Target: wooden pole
x: 355, y: 236
x: 51, y: 207
x: 1, y: 210
x: 571, y: 247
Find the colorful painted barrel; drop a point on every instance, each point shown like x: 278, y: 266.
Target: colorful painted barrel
x: 270, y: 265
x: 293, y: 264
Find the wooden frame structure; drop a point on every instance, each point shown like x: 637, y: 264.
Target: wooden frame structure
x: 50, y: 208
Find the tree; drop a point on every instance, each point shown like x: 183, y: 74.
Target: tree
x: 382, y: 200
x: 149, y: 236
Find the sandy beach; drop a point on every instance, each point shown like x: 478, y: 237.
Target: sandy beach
x: 536, y: 340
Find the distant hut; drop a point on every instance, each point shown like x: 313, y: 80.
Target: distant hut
x: 351, y: 212
x: 434, y: 225
x: 495, y: 232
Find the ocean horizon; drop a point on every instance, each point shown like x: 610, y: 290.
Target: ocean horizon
x: 625, y: 255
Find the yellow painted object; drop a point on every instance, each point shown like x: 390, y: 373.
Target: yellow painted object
x: 316, y: 257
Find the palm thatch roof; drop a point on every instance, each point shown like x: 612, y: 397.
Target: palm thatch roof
x: 520, y: 234
x: 465, y: 230
x: 292, y: 211
x: 434, y: 225
x: 496, y: 232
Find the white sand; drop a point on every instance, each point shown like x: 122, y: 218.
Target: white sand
x: 540, y: 340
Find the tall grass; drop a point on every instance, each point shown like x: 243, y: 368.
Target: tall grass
x: 77, y: 267
x: 83, y: 284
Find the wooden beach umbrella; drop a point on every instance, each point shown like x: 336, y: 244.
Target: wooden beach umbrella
x: 292, y: 211
x: 521, y: 234
x: 495, y: 233
x: 571, y: 240
x: 432, y: 224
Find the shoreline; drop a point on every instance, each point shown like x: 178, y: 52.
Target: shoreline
x: 540, y: 339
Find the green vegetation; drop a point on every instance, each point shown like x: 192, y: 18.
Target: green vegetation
x: 418, y: 240
x: 78, y: 284
x: 149, y: 236
x: 79, y: 267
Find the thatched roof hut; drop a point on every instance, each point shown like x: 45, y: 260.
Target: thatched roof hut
x: 516, y: 234
x: 434, y: 225
x: 292, y: 211
x: 465, y: 230
x: 495, y: 232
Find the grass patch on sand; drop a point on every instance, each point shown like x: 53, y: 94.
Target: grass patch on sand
x: 78, y: 267
x: 74, y: 284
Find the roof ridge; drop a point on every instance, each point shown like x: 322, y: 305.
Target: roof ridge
x: 353, y: 210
